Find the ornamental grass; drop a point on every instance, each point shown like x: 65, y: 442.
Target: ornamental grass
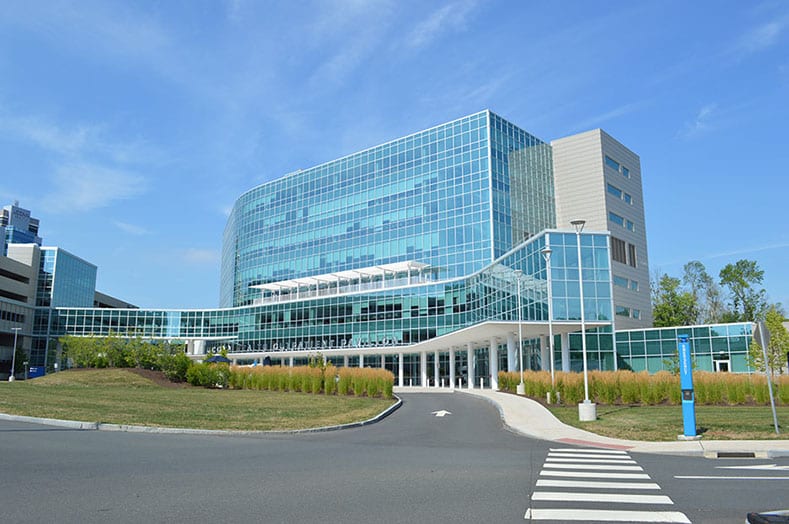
x: 628, y: 388
x: 329, y: 380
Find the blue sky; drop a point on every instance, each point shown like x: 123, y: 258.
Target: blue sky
x: 129, y: 129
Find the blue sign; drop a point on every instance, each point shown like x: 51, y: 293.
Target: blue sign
x: 686, y: 385
x: 35, y: 371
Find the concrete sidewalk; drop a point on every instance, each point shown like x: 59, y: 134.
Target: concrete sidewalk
x: 525, y: 416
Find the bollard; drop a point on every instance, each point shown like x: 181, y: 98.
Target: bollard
x: 481, y: 382
x: 548, y: 397
x: 442, y: 382
x: 411, y: 382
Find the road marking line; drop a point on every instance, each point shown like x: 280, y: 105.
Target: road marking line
x: 606, y: 515
x: 601, y: 467
x: 583, y: 450
x: 766, y: 467
x: 591, y: 461
x: 593, y: 474
x: 601, y: 497
x: 587, y: 455
x: 700, y: 477
x: 550, y: 483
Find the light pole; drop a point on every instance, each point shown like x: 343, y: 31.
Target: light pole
x: 586, y: 410
x: 546, y: 253
x: 521, y: 387
x: 13, y: 357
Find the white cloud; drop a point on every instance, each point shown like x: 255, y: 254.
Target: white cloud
x: 131, y: 228
x: 199, y: 256
x: 449, y: 18
x: 84, y: 186
x: 703, y: 122
x: 761, y: 37
x: 75, y: 141
x: 732, y: 253
x: 354, y: 30
x: 595, y: 121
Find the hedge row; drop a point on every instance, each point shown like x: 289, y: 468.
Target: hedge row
x: 329, y: 380
x: 626, y: 387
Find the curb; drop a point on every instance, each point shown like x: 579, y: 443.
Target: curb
x: 701, y: 452
x: 128, y: 428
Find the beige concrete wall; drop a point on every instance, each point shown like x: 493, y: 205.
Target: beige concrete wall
x: 581, y: 179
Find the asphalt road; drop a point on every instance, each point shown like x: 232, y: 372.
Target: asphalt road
x: 411, y: 467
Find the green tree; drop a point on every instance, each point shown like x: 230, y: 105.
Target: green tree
x: 777, y: 344
x: 743, y: 280
x: 706, y: 292
x: 671, y: 305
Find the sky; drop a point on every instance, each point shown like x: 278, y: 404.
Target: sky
x: 130, y: 128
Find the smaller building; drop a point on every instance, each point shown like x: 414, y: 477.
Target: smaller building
x: 714, y: 347
x: 18, y: 227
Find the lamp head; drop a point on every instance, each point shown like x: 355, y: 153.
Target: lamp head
x: 546, y: 253
x: 578, y: 225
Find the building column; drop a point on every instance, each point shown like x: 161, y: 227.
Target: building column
x: 361, y: 360
x: 400, y: 369
x: 290, y: 362
x: 545, y: 353
x: 470, y: 364
x: 493, y: 364
x: 345, y: 360
x: 423, y: 368
x: 452, y: 368
x: 436, y: 382
x: 565, y: 338
x: 512, y: 353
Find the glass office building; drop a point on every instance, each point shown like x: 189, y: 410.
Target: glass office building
x: 425, y: 255
x: 410, y: 253
x: 453, y: 197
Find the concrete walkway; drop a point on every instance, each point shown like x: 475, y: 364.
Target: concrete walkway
x: 530, y: 418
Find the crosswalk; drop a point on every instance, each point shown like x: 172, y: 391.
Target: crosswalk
x: 598, y: 485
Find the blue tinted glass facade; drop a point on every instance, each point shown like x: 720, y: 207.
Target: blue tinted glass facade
x: 392, y: 247
x: 65, y: 280
x: 712, y: 346
x: 393, y: 317
x: 434, y: 197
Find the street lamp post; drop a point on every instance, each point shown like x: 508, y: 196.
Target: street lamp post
x: 546, y: 253
x: 521, y: 390
x: 586, y: 410
x: 13, y: 357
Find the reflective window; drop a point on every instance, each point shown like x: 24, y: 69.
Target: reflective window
x: 613, y: 164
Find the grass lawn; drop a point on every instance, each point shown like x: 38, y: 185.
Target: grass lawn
x: 119, y: 396
x: 662, y: 423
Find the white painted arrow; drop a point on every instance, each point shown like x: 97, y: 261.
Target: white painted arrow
x: 441, y: 413
x: 770, y: 467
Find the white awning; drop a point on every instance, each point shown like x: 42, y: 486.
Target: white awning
x: 344, y: 276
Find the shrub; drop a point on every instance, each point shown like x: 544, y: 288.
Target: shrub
x: 175, y: 366
x: 208, y: 375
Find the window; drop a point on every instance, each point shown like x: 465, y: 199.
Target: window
x: 636, y: 313
x: 634, y: 285
x: 613, y: 164
x: 616, y: 219
x: 629, y: 225
x: 618, y: 193
x: 618, y: 250
x: 622, y: 311
x: 616, y: 166
x: 631, y: 255
x: 620, y: 281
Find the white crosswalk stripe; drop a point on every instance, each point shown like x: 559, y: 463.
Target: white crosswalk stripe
x: 597, y: 485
